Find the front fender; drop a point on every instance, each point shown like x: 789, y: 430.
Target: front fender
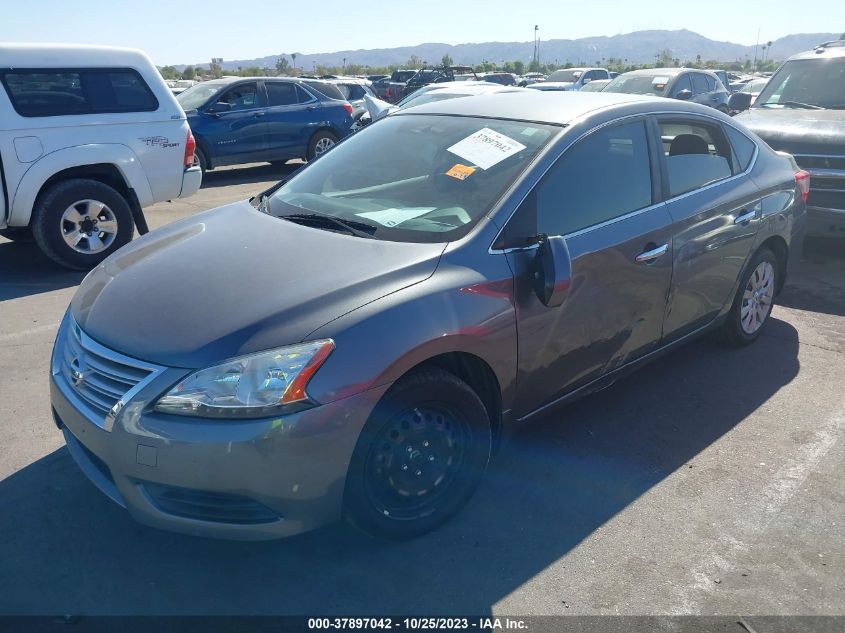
x: 121, y: 156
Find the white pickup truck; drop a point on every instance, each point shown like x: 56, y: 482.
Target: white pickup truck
x: 89, y: 136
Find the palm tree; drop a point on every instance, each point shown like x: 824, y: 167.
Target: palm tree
x: 293, y: 57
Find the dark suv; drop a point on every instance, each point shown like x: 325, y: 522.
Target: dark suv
x: 686, y: 84
x: 802, y: 111
x: 272, y: 119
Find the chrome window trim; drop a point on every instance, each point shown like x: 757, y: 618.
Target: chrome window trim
x: 718, y: 120
x: 106, y: 423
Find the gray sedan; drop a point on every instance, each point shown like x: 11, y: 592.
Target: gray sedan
x: 358, y: 341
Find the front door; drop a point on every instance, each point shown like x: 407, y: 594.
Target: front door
x: 601, y: 196
x: 239, y: 133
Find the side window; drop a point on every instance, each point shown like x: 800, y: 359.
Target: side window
x: 697, y: 154
x: 281, y: 93
x: 602, y: 177
x: 356, y: 92
x: 711, y: 83
x: 243, y: 97
x: 303, y: 95
x: 699, y: 83
x: 68, y: 92
x: 683, y: 83
x: 743, y: 148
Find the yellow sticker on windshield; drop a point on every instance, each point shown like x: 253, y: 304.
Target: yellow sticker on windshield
x: 461, y: 172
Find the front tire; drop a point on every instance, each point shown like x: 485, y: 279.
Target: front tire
x: 78, y: 223
x: 419, y: 457
x: 753, y: 302
x: 320, y: 143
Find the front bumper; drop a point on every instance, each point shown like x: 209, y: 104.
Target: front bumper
x: 248, y: 479
x: 191, y: 181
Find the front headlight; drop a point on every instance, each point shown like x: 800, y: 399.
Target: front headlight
x: 253, y: 386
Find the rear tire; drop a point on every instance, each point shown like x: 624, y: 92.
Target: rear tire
x: 201, y: 160
x: 419, y: 458
x: 753, y: 302
x: 21, y: 234
x: 320, y: 143
x: 78, y: 223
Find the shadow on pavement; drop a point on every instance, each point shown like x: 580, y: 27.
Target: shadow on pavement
x: 70, y: 550
x: 261, y: 172
x: 25, y: 271
x: 818, y: 282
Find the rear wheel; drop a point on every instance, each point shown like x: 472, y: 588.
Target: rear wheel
x: 753, y: 302
x: 201, y: 160
x: 419, y: 458
x: 320, y: 143
x: 78, y: 223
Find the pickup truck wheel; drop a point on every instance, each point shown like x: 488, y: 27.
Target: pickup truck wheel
x: 78, y: 223
x: 17, y: 234
x: 419, y: 457
x: 320, y: 143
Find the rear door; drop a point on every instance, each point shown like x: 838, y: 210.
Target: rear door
x: 292, y: 113
x: 601, y: 195
x: 717, y: 211
x: 239, y: 134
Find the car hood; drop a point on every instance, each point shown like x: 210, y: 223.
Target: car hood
x: 234, y: 281
x: 798, y: 131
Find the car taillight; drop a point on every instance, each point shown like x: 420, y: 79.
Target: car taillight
x: 190, y: 149
x: 347, y: 107
x: 802, y: 179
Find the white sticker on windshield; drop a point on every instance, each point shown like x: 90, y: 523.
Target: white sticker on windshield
x: 394, y: 217
x: 486, y: 148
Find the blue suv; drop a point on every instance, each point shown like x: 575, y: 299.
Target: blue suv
x: 271, y: 119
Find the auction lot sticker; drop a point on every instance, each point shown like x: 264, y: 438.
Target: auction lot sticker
x: 486, y: 148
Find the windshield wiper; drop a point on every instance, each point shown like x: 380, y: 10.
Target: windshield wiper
x: 359, y: 229
x: 795, y: 104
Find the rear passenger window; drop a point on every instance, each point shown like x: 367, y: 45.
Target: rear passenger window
x: 602, y: 177
x: 743, y: 148
x: 711, y: 83
x: 697, y: 154
x: 326, y: 89
x: 699, y: 83
x: 66, y: 92
x: 281, y: 94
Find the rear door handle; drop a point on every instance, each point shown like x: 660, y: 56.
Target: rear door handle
x: 746, y: 217
x: 258, y: 114
x: 312, y: 108
x: 648, y: 256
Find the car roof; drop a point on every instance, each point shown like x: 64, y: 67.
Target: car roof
x: 556, y: 108
x: 836, y: 48
x: 70, y: 56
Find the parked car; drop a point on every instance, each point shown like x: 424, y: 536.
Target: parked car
x: 369, y: 366
x: 801, y: 110
x: 531, y: 78
x: 698, y: 86
x: 597, y: 85
x: 273, y: 119
x: 380, y: 87
x: 437, y: 75
x: 505, y: 79
x: 354, y: 91
x: 753, y: 87
x: 571, y: 78
x: 395, y: 89
x: 88, y: 137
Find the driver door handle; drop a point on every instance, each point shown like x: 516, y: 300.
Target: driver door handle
x: 746, y: 217
x: 648, y: 256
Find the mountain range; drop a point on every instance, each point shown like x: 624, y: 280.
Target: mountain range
x: 637, y: 48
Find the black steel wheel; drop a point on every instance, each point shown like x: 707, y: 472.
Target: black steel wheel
x: 419, y: 458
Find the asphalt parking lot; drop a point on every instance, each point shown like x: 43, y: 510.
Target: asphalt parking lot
x: 711, y: 482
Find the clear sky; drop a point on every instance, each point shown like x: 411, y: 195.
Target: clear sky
x: 174, y: 32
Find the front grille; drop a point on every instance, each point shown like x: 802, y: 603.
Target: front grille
x: 215, y: 507
x: 97, y: 375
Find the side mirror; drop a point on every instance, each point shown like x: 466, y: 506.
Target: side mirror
x: 218, y: 107
x: 739, y: 101
x: 552, y: 271
x: 684, y: 95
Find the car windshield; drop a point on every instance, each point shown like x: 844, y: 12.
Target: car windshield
x: 569, y: 76
x: 414, y: 178
x: 195, y: 96
x: 806, y: 83
x: 639, y: 84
